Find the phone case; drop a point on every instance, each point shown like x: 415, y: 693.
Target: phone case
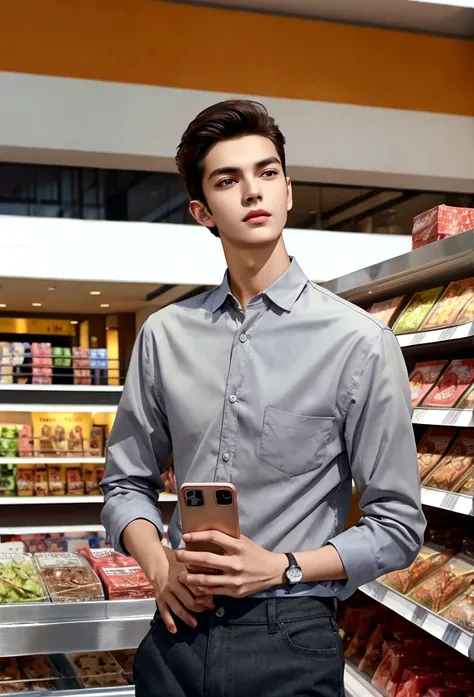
x: 210, y: 516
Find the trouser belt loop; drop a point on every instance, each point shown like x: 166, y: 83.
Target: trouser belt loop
x: 272, y: 620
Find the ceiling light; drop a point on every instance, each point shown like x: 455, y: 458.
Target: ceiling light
x: 451, y: 3
x: 2, y: 305
x: 94, y: 292
x: 105, y: 305
x: 52, y: 288
x: 36, y: 304
x: 74, y: 321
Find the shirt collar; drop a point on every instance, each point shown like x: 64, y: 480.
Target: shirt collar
x: 284, y: 292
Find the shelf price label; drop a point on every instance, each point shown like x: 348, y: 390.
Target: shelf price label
x: 417, y: 338
x: 451, y: 635
x: 377, y: 591
x: 447, y: 334
x: 451, y: 417
x: 419, y: 615
x: 449, y: 502
x: 419, y: 416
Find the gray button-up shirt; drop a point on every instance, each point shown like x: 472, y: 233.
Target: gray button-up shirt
x: 289, y: 400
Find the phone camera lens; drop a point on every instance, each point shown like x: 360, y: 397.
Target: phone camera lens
x: 194, y: 498
x: 224, y: 497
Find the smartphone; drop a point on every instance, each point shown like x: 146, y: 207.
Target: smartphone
x: 209, y: 507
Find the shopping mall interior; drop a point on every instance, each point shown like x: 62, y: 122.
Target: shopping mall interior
x: 375, y: 100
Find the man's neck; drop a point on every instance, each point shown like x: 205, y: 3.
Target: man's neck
x: 252, y: 271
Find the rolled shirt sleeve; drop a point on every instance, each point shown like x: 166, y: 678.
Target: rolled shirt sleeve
x: 138, y: 446
x: 382, y: 453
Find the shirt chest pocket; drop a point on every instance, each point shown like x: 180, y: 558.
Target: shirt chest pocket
x: 292, y: 443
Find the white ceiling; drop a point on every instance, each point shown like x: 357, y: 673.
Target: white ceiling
x: 424, y: 17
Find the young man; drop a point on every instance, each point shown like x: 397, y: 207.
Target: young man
x: 289, y: 392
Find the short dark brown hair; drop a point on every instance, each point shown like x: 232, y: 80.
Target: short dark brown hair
x: 227, y: 120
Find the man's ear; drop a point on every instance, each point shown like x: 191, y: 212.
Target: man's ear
x: 201, y: 214
x: 289, y: 194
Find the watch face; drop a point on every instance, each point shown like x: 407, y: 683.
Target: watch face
x: 294, y: 574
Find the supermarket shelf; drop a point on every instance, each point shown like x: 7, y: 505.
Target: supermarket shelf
x: 89, y: 692
x: 100, y: 408
x: 66, y: 500
x: 435, y: 625
x: 43, y: 529
x: 357, y: 685
x: 59, y: 397
x: 435, y: 336
x: 52, y: 460
x: 440, y: 262
x: 443, y: 417
x: 33, y: 628
x: 62, y: 388
x: 459, y: 503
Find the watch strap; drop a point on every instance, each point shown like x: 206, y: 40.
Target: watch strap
x: 291, y: 559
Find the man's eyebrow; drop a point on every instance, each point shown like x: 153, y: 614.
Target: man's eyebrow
x: 236, y: 170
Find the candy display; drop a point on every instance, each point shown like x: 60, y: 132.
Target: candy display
x: 417, y: 309
x: 25, y: 675
x: 429, y: 559
x: 69, y: 578
x: 455, y: 465
x: 19, y: 579
x: 448, y: 308
x: 441, y: 588
x: 452, y: 385
x: 432, y: 447
x: 423, y: 377
x: 50, y: 479
x: 387, y: 310
x: 441, y: 222
x: 97, y: 669
x: 125, y: 658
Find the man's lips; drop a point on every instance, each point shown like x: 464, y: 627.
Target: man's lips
x: 257, y: 216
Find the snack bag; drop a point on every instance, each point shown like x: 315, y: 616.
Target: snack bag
x: 386, y: 310
x: 417, y: 309
x: 429, y: 559
x: 449, y: 306
x: 452, y: 385
x: 455, y: 465
x: 432, y: 448
x: 423, y: 377
x: 440, y: 589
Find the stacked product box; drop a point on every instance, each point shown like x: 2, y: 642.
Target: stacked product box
x: 439, y: 223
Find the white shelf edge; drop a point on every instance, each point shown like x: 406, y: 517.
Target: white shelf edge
x: 65, y: 500
x: 435, y: 336
x: 356, y: 685
x: 62, y: 388
x: 92, y: 408
x: 459, y: 503
x: 432, y: 623
x: 44, y: 529
x: 52, y: 460
x: 432, y: 416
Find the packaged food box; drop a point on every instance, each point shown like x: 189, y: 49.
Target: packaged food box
x: 7, y: 480
x: 429, y: 559
x: 466, y: 484
x: 391, y: 668
x: 467, y: 402
x: 25, y: 480
x: 69, y: 578
x: 20, y: 581
x: 387, y: 310
x: 415, y: 681
x: 122, y: 576
x: 455, y: 465
x: 442, y: 587
x: 417, y: 309
x: 373, y: 652
x: 467, y: 313
x: 452, y: 385
x: 440, y: 222
x: 97, y: 669
x: 432, y: 447
x: 461, y: 612
x: 41, y: 480
x: 57, y: 480
x: 423, y: 377
x: 74, y: 481
x: 89, y: 474
x: 448, y: 308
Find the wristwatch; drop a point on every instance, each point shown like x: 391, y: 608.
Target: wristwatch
x: 293, y: 573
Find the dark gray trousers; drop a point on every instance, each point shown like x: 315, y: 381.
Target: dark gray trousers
x: 278, y: 647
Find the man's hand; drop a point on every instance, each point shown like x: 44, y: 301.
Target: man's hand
x: 244, y: 568
x: 173, y: 596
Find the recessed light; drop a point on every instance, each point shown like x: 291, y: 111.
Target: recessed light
x: 74, y: 321
x: 2, y: 305
x: 105, y: 305
x: 36, y: 304
x: 52, y: 288
x: 94, y: 292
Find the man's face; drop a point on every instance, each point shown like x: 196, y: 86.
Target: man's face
x: 242, y: 177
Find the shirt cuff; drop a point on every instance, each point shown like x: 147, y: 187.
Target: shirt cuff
x: 126, y: 514
x: 360, y: 566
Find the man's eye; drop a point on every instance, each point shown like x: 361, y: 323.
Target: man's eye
x: 224, y: 183
x: 269, y: 173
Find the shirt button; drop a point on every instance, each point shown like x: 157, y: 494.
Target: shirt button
x: 243, y: 338
x: 220, y: 612
x: 232, y: 399
x: 226, y: 457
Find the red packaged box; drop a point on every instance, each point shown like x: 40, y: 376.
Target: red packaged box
x: 452, y: 385
x: 440, y: 222
x: 432, y: 447
x: 415, y: 681
x: 373, y: 652
x: 455, y: 465
x: 121, y: 576
x: 422, y: 378
x: 387, y: 310
x: 390, y: 670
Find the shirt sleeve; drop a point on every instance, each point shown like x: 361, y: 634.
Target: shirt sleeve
x: 138, y: 446
x: 382, y: 454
